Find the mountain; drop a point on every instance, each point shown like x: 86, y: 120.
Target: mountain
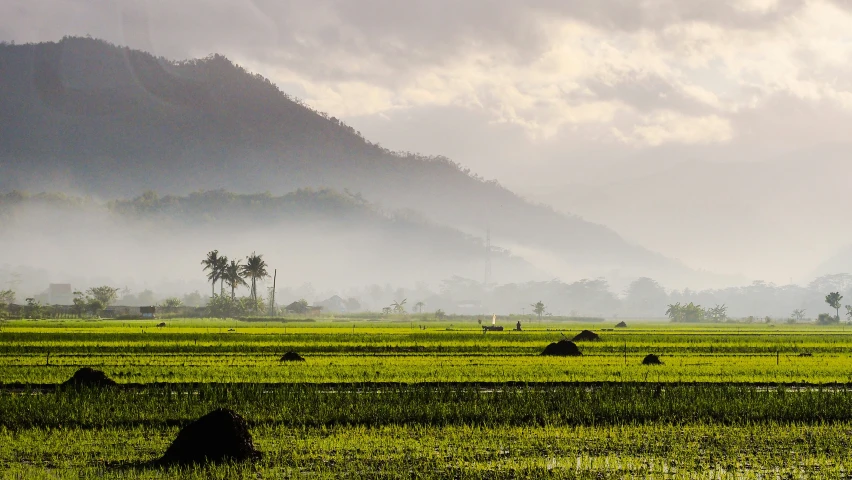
x: 87, y: 116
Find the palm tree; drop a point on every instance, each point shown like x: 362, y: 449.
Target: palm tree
x: 213, y: 263
x: 419, y: 306
x: 399, y: 307
x: 222, y: 265
x: 833, y: 300
x: 538, y: 308
x: 254, y: 268
x: 232, y: 277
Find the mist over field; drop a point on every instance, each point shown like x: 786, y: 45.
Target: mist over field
x: 86, y: 243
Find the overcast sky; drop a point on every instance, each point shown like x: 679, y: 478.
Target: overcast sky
x: 543, y: 95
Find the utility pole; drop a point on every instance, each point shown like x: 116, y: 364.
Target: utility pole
x: 272, y: 302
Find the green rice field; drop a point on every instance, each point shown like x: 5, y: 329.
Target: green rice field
x: 409, y: 399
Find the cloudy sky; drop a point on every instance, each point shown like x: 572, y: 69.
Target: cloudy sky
x: 596, y: 107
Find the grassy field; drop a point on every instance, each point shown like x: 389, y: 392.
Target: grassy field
x: 390, y: 400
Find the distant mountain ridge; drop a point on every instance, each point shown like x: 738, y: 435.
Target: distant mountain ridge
x: 85, y: 115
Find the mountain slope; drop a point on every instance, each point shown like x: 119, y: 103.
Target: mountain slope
x: 85, y: 115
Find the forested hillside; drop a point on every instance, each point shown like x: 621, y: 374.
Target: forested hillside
x: 91, y: 117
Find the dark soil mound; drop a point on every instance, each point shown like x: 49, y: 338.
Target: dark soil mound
x: 88, y: 377
x: 219, y: 436
x: 586, y: 336
x: 562, y: 348
x: 492, y: 328
x: 806, y: 354
x: 291, y: 357
x: 651, y: 359
x: 620, y: 325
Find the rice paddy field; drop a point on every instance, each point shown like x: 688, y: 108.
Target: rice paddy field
x: 409, y: 399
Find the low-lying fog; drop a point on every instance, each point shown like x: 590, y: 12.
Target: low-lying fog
x: 375, y: 261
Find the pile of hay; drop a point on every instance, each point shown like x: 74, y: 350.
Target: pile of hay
x: 621, y: 324
x: 291, y: 357
x: 562, y: 348
x: 88, y: 377
x: 651, y: 359
x: 221, y: 435
x: 586, y: 336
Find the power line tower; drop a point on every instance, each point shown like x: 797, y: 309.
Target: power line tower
x: 487, y: 255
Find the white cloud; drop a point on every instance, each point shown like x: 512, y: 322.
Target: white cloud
x: 671, y: 127
x: 547, y: 66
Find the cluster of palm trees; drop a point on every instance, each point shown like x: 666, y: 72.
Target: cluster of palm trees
x: 234, y: 273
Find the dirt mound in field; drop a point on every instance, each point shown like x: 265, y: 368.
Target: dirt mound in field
x: 651, y: 359
x: 562, y: 348
x: 88, y: 377
x: 620, y: 325
x: 586, y: 336
x: 806, y: 354
x: 291, y: 357
x: 221, y: 435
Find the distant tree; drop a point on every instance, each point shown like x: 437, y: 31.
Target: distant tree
x: 193, y: 299
x: 300, y: 306
x: 221, y: 306
x: 675, y: 312
x: 693, y: 313
x: 255, y: 269
x: 33, y: 309
x: 353, y: 305
x: 419, y: 306
x: 79, y: 304
x: 439, y: 314
x: 386, y: 311
x: 644, y: 296
x: 212, y: 265
x: 833, y: 300
x: 690, y: 313
x: 171, y: 304
x: 719, y: 313
x: 233, y: 277
x: 538, y: 308
x: 798, y: 315
x: 849, y: 312
x: 94, y: 305
x: 7, y: 297
x: 398, y: 307
x: 146, y: 298
x: 104, y: 294
x: 826, y: 319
